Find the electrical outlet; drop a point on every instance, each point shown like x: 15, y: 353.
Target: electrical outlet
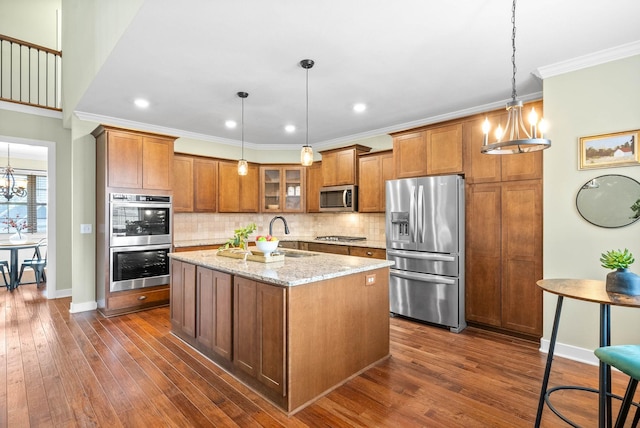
x: 370, y: 279
x: 85, y: 228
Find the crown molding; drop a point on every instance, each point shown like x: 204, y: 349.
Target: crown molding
x: 114, y: 121
x: 586, y: 61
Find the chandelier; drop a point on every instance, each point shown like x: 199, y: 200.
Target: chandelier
x: 8, y: 189
x: 243, y: 167
x: 306, y: 154
x: 517, y: 139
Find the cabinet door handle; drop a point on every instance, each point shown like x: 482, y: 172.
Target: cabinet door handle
x: 369, y: 253
x: 142, y: 297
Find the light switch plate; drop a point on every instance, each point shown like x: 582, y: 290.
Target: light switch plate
x: 85, y: 228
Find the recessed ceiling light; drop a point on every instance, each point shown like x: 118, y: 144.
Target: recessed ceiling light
x: 289, y: 128
x: 139, y: 102
x: 359, y: 107
x: 230, y: 124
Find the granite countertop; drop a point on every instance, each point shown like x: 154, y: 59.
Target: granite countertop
x: 290, y: 272
x: 366, y: 243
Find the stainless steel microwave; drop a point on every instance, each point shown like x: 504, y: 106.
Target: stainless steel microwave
x: 339, y: 198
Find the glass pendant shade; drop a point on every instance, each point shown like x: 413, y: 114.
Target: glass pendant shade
x: 306, y: 156
x: 243, y: 167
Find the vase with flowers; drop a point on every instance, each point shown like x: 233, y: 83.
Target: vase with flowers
x: 18, y: 225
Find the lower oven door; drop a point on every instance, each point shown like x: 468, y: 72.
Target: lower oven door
x: 139, y: 266
x: 425, y: 297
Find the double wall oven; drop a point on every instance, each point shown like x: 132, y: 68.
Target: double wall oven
x: 139, y: 240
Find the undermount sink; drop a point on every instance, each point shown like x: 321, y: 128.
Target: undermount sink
x: 293, y: 253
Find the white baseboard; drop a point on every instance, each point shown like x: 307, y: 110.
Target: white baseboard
x: 82, y: 307
x: 570, y: 352
x: 62, y: 293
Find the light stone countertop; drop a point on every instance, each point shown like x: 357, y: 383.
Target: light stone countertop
x: 290, y: 272
x: 366, y: 243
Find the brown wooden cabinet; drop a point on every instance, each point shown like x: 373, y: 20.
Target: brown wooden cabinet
x: 286, y: 339
x: 313, y: 185
x: 340, y: 166
x: 259, y: 339
x: 325, y: 248
x: 183, y: 180
x: 205, y: 184
x: 375, y: 253
x: 237, y: 194
x: 504, y: 256
x: 282, y: 188
x: 429, y: 151
x: 522, y: 256
x: 134, y: 160
x: 444, y: 150
x: 375, y: 169
x: 127, y: 161
x: 183, y: 299
x: 214, y: 312
x: 410, y: 154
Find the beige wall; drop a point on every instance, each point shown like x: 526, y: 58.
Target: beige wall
x: 34, y: 21
x: 592, y: 101
x: 27, y: 127
x: 90, y: 30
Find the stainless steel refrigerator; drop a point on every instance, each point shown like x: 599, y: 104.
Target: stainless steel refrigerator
x: 425, y: 238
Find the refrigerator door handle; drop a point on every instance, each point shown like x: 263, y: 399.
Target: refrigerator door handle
x: 422, y: 277
x: 421, y: 256
x: 420, y: 214
x: 412, y: 214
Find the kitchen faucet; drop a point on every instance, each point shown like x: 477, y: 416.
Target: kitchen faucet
x: 286, y: 226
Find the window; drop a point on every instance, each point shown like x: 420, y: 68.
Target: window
x: 32, y: 207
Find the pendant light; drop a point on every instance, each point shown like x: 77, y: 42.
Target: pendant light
x: 306, y: 154
x: 517, y: 138
x: 9, y: 189
x: 243, y: 167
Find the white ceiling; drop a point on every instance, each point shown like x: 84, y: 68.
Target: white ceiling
x: 411, y: 61
x: 23, y: 151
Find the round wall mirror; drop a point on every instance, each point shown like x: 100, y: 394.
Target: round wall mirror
x: 609, y: 201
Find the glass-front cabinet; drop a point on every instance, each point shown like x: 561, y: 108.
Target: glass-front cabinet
x: 282, y: 189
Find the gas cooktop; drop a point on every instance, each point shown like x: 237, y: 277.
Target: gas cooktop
x: 340, y: 238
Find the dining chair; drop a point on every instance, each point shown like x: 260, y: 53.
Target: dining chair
x: 4, y: 267
x: 625, y: 358
x: 37, y: 263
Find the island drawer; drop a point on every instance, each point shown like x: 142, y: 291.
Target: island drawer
x: 374, y: 253
x: 139, y: 298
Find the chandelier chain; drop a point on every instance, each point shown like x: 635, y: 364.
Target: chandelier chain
x: 513, y: 55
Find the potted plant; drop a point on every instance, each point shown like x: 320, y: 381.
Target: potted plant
x: 240, y: 237
x: 621, y: 280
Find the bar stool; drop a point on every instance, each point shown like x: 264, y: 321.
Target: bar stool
x: 4, y: 265
x: 625, y: 358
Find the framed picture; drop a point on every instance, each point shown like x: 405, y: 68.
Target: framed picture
x: 609, y: 150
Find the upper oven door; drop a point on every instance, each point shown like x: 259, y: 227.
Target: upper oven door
x: 139, y: 223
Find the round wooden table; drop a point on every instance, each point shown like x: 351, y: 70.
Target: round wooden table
x: 590, y: 291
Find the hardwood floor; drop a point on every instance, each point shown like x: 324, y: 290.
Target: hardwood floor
x: 63, y: 370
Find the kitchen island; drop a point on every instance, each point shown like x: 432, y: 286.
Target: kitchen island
x: 292, y: 330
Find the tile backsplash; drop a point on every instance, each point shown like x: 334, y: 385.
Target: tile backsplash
x: 187, y: 226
